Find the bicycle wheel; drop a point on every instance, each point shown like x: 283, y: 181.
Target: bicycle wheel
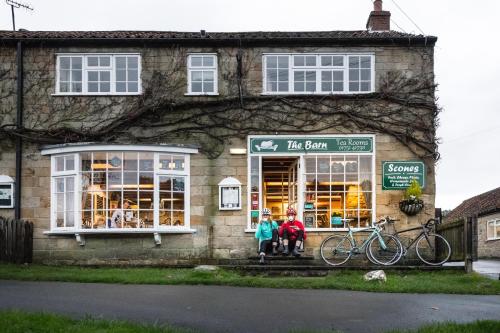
x: 433, y: 250
x: 386, y: 252
x: 336, y: 250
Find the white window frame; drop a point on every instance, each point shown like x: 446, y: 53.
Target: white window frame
x: 214, y: 69
x: 301, y: 175
x: 496, y: 224
x: 86, y: 69
x: 318, y: 68
x: 76, y: 173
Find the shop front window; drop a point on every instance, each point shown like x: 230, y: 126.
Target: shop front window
x: 105, y: 190
x: 337, y: 187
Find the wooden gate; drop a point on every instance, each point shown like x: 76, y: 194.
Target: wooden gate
x: 460, y: 236
x: 16, y: 241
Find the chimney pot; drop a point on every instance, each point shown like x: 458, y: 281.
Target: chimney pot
x: 377, y: 6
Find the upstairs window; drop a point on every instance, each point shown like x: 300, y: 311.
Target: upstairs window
x: 95, y: 74
x: 202, y: 74
x: 318, y: 73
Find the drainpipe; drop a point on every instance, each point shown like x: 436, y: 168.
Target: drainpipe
x: 19, y: 126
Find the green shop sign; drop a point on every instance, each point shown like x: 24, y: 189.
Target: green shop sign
x: 333, y: 144
x: 397, y: 175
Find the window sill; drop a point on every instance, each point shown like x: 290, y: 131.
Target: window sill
x: 96, y: 95
x: 201, y: 94
x: 492, y: 239
x: 315, y: 93
x: 124, y: 231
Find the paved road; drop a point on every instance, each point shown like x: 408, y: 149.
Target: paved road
x: 253, y: 310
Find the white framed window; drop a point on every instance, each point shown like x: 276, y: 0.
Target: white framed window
x: 98, y: 74
x: 202, y: 74
x: 493, y: 229
x: 307, y: 73
x: 120, y: 191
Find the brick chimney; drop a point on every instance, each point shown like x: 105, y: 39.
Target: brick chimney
x: 379, y: 20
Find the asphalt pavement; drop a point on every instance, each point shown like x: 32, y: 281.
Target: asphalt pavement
x: 252, y: 310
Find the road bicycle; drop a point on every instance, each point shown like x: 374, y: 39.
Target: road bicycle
x: 432, y: 249
x: 380, y: 249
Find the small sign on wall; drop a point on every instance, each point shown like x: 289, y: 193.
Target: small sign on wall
x: 398, y: 175
x: 230, y: 194
x: 6, y: 192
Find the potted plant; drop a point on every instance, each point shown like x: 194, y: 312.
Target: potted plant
x: 412, y: 204
x: 336, y: 219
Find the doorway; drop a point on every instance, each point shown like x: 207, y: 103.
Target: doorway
x: 280, y: 185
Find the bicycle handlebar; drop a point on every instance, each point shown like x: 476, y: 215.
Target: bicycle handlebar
x: 431, y: 222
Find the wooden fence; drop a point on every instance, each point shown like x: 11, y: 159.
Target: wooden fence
x: 16, y: 241
x: 460, y: 235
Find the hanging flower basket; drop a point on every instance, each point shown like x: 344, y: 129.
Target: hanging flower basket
x: 411, y: 207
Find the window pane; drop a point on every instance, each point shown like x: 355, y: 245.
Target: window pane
x: 92, y: 61
x: 283, y: 75
x: 310, y: 60
x: 311, y: 76
x: 338, y: 76
x: 272, y: 75
x: 326, y: 60
x: 196, y: 87
x: 208, y: 61
x: 365, y: 62
x: 70, y: 184
x: 93, y: 87
x: 64, y: 75
x: 104, y: 75
x: 64, y: 62
x: 178, y: 162
x: 338, y: 61
x: 365, y: 86
x: 121, y: 87
x: 133, y: 62
x: 70, y: 219
x: 133, y: 75
x: 130, y: 161
x: 146, y: 200
x: 93, y: 76
x: 353, y: 62
x: 365, y: 74
x: 353, y: 86
x: 104, y: 61
x: 146, y: 162
x: 100, y: 161
x: 105, y: 87
x: 76, y: 62
x: 86, y: 161
x: 208, y: 76
x: 311, y: 86
x: 76, y: 87
x: 298, y: 61
x: 178, y: 201
x: 283, y: 86
x: 60, y: 185
x: 298, y: 76
x: 70, y: 201
x: 146, y: 180
x: 76, y: 75
x: 338, y: 86
x: 326, y: 75
x: 196, y: 61
x: 298, y: 86
x: 64, y: 87
x: 60, y: 163
x: 121, y: 62
x: 178, y: 184
x: 133, y: 87
x: 326, y: 86
x: 283, y: 61
x: 196, y: 75
x: 272, y: 62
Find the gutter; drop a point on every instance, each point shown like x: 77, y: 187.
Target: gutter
x: 19, y: 126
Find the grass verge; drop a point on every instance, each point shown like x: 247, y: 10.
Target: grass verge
x: 22, y: 322
x: 448, y: 282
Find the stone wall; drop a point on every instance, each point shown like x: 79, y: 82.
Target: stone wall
x: 219, y: 234
x: 487, y: 249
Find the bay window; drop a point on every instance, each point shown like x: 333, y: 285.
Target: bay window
x: 318, y: 73
x: 94, y: 74
x: 118, y: 191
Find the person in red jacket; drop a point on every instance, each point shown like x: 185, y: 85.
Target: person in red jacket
x: 292, y: 233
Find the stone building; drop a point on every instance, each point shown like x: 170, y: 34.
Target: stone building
x: 187, y: 136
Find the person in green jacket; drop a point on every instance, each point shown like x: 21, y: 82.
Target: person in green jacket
x: 267, y: 234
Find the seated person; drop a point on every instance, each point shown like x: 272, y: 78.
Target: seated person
x: 118, y: 216
x: 267, y: 234
x: 292, y: 233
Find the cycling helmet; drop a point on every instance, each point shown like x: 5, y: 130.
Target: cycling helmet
x: 266, y: 211
x: 291, y: 211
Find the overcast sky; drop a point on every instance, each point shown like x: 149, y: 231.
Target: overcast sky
x: 467, y: 58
